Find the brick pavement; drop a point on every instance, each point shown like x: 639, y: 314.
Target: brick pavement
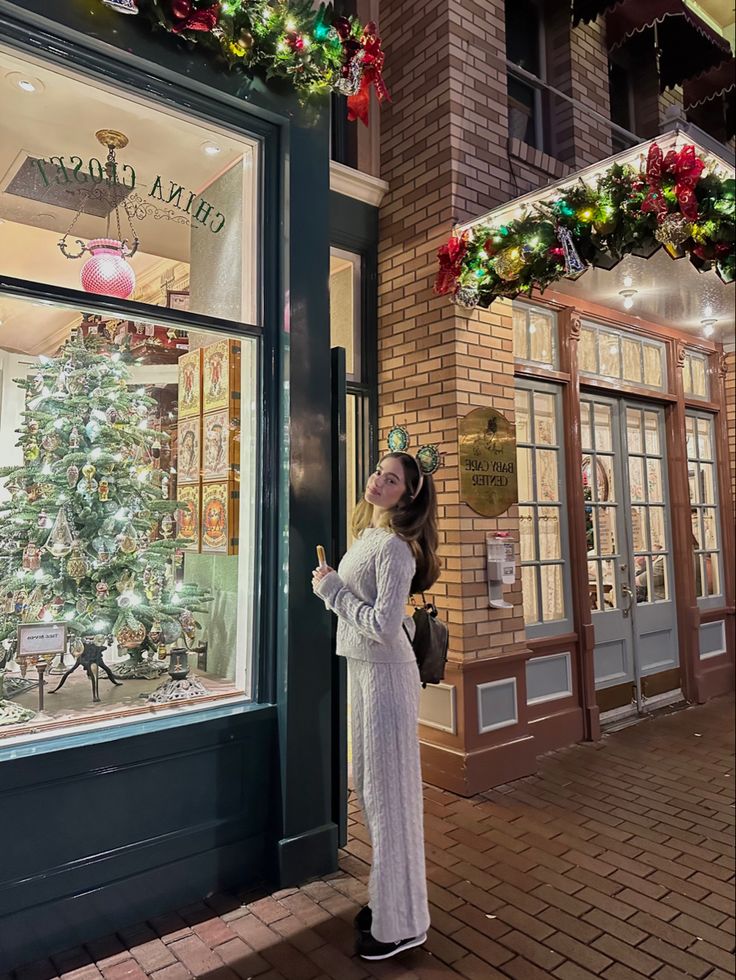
x: 615, y: 860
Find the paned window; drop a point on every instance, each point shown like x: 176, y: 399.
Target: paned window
x: 542, y: 513
x: 524, y: 49
x: 535, y: 335
x: 695, y: 375
x: 601, y: 496
x: 615, y: 355
x: 704, y: 508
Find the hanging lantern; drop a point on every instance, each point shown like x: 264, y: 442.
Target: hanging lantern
x: 107, y: 272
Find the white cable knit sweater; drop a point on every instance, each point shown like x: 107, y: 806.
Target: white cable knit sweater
x: 369, y: 592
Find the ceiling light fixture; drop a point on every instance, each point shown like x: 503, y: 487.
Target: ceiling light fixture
x: 211, y: 149
x: 628, y: 295
x: 26, y: 83
x: 709, y: 323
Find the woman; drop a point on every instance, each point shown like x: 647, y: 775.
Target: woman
x: 394, y: 554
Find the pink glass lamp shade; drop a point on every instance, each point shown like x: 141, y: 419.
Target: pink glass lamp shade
x: 107, y: 272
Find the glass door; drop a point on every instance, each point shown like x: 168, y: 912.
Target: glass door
x: 628, y: 544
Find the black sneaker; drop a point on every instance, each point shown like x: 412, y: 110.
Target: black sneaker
x: 369, y: 948
x: 364, y: 919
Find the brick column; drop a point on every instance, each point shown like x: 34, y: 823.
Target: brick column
x: 444, y: 157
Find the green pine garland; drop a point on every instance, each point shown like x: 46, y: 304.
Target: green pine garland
x: 605, y: 221
x: 287, y: 39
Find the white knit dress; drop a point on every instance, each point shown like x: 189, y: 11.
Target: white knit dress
x: 369, y: 593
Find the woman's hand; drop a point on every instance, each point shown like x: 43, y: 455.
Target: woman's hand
x: 318, y: 574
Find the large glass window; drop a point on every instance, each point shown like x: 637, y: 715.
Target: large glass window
x: 542, y: 514
x: 615, y: 355
x: 524, y: 49
x: 130, y: 447
x: 695, y: 375
x: 124, y: 198
x: 704, y: 509
x: 601, y: 495
x: 535, y: 335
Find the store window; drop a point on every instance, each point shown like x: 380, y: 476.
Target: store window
x: 130, y: 449
x: 542, y: 510
x: 535, y: 335
x: 124, y: 199
x: 525, y: 51
x: 704, y: 508
x: 695, y: 375
x: 614, y: 355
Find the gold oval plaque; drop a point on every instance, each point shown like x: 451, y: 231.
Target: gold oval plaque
x: 488, y: 478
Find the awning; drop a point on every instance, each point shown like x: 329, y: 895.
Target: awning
x: 589, y: 10
x: 710, y: 84
x: 686, y: 45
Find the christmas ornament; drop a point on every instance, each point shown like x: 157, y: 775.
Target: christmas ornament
x: 156, y: 449
x: 508, y: 264
x: 188, y: 624
x: 167, y: 526
x: 131, y: 634
x: 76, y: 566
x: 128, y: 540
x: 246, y: 41
x: 31, y: 451
x: 77, y: 647
x: 451, y: 258
x: 50, y: 441
x: 673, y: 231
x: 31, y: 557
x: 154, y: 633
x: 74, y: 438
x: 102, y: 591
x: 122, y: 6
x: 82, y: 605
x: 61, y: 538
x: 104, y: 489
x: 467, y: 297
x: 574, y: 265
x: 112, y: 415
x: 8, y: 604
x: 89, y: 484
x: 72, y: 475
x: 33, y: 426
x: 92, y: 429
x: 43, y: 519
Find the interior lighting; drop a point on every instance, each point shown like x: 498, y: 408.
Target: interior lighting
x: 211, y: 149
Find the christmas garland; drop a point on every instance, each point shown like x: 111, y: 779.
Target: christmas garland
x: 677, y: 201
x: 313, y: 49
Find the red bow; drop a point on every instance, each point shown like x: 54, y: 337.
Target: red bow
x: 451, y: 257
x: 372, y: 74
x: 686, y: 169
x: 187, y: 18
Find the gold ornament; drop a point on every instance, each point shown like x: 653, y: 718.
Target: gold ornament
x: 673, y: 232
x: 246, y: 41
x: 155, y: 632
x: 131, y: 634
x: 31, y: 450
x: 76, y: 566
x: 104, y: 489
x: 508, y: 264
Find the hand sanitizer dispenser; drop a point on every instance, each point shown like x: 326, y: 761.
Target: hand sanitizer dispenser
x: 501, y: 567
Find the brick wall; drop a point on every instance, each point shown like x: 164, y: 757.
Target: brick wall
x: 444, y: 156
x: 730, y: 386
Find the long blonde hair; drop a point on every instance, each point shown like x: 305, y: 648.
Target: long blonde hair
x: 413, y: 519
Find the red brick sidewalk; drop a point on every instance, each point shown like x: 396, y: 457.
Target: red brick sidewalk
x: 616, y: 860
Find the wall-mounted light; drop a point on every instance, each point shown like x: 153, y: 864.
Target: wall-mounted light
x: 709, y: 321
x: 628, y: 296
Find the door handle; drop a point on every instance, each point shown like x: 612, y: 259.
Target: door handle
x: 630, y: 596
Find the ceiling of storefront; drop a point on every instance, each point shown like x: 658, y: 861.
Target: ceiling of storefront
x: 671, y: 293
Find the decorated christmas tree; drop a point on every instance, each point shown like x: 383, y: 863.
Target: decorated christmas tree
x: 88, y: 534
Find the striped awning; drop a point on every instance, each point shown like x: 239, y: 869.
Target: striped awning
x: 686, y: 44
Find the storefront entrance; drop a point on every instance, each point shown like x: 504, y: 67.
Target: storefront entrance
x: 629, y: 549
